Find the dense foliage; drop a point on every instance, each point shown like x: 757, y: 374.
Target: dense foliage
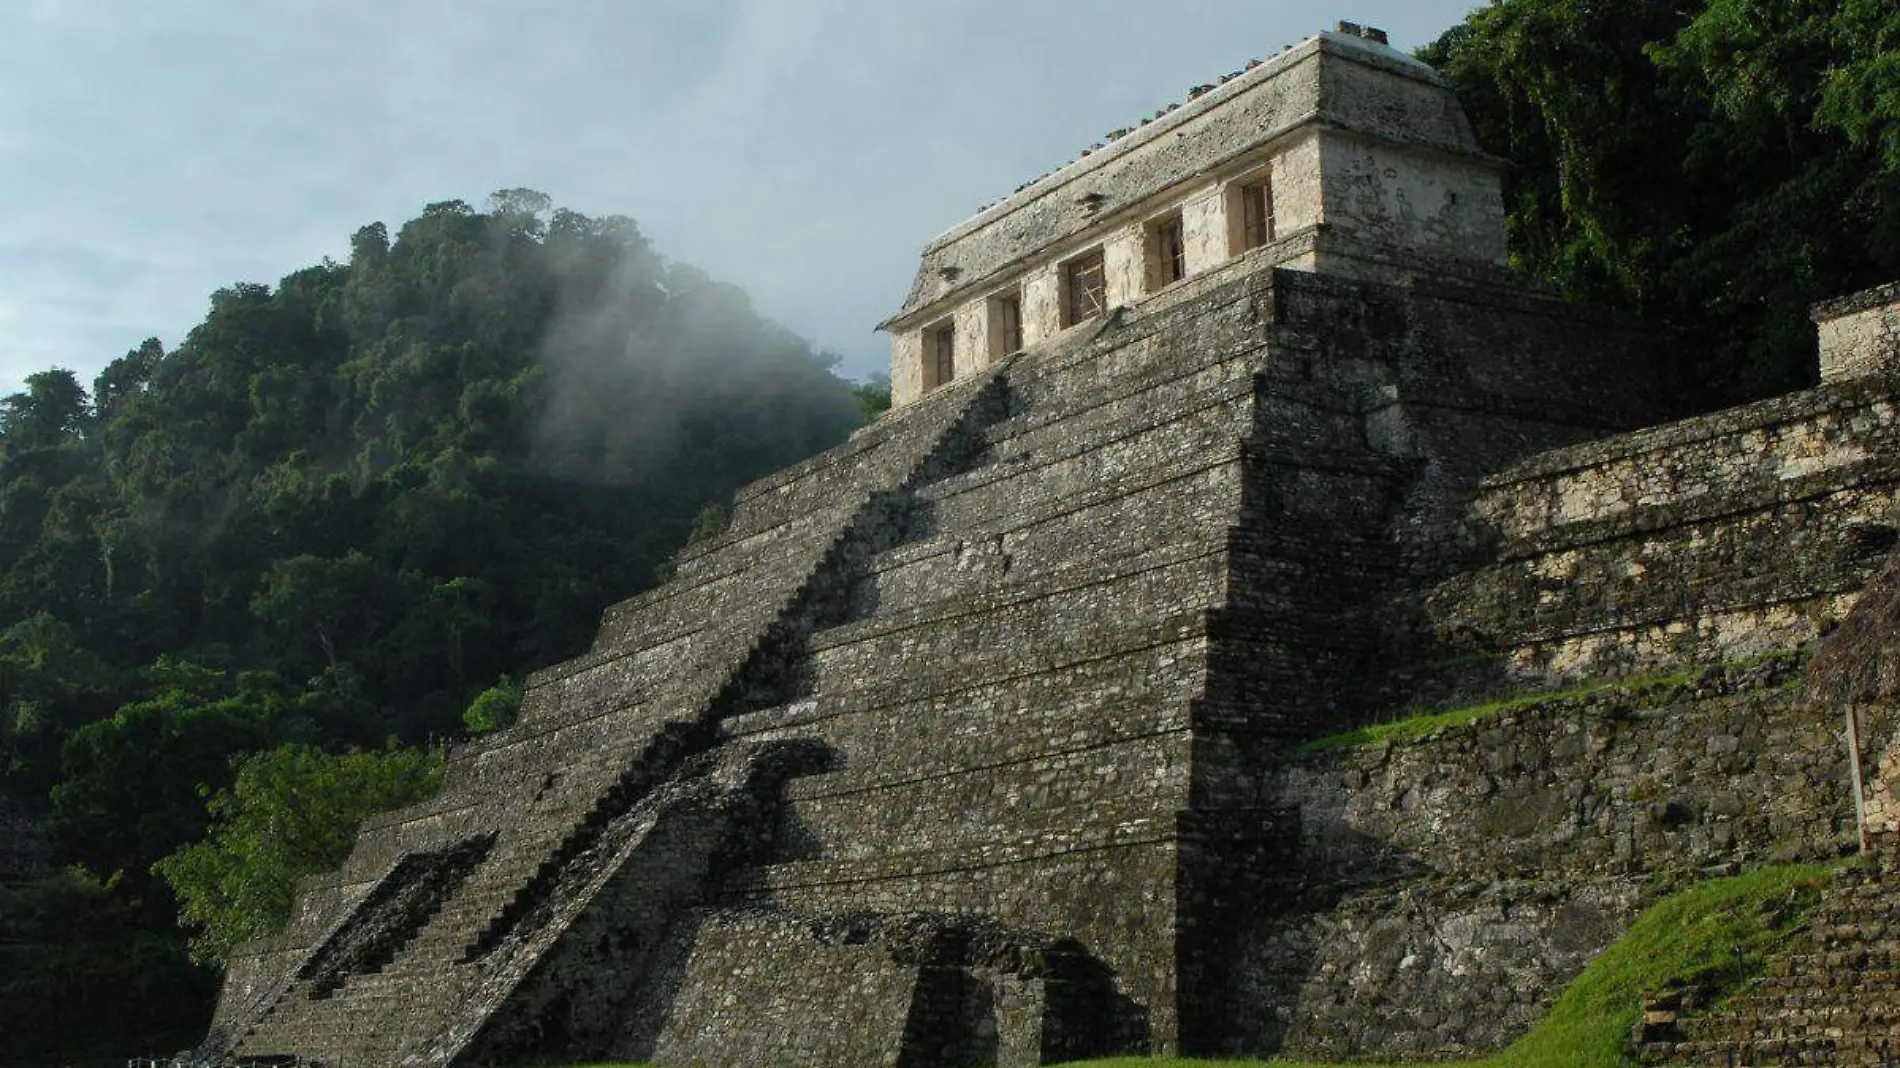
x: 291, y: 813
x: 333, y: 517
x: 1718, y: 165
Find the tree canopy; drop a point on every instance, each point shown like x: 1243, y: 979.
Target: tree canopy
x: 1716, y: 165
x: 341, y: 516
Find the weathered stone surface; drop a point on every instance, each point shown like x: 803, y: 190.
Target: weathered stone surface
x: 1860, y: 334
x: 1450, y: 885
x: 1711, y: 539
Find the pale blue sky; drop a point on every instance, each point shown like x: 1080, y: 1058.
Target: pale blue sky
x: 151, y: 152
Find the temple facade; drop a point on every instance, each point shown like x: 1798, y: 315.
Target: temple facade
x: 1342, y: 155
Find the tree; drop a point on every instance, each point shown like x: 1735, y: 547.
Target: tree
x: 125, y: 378
x: 309, y: 597
x: 293, y: 811
x: 346, y: 501
x: 131, y: 784
x: 493, y: 708
x: 80, y: 970
x: 1717, y: 165
x: 49, y: 684
x: 873, y: 397
x: 51, y: 412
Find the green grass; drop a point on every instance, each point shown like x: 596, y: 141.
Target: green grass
x: 1690, y: 935
x: 1422, y: 723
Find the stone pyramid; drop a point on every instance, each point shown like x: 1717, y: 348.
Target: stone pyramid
x: 966, y: 743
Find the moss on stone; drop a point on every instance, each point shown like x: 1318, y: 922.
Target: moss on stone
x: 1421, y: 723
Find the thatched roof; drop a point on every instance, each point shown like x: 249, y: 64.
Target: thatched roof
x: 1860, y: 660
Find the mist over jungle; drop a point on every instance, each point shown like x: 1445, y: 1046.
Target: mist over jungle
x: 249, y: 586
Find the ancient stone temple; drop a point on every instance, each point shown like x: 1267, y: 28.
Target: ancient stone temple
x: 984, y: 738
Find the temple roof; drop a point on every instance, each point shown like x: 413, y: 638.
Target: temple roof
x: 1342, y: 79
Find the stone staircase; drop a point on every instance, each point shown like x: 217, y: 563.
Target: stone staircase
x: 1831, y: 997
x: 435, y: 976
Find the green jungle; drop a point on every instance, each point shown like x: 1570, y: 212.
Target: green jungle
x: 251, y: 586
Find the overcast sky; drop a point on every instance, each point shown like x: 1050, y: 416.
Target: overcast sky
x: 804, y: 149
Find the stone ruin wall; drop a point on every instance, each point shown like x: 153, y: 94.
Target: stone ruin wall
x: 1450, y: 885
x: 1860, y: 334
x: 1710, y: 539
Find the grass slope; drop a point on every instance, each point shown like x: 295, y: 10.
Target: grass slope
x: 1689, y: 935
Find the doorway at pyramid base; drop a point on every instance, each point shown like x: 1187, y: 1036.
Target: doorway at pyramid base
x: 959, y: 745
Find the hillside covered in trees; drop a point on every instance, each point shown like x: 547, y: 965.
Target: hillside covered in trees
x: 285, y: 559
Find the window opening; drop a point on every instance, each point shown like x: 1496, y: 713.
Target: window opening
x: 1006, y: 325
x: 940, y: 364
x: 1085, y: 288
x: 1256, y: 213
x: 1167, y: 245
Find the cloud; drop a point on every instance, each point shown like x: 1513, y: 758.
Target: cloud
x: 803, y: 149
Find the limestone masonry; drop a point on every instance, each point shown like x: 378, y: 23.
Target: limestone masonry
x: 979, y: 739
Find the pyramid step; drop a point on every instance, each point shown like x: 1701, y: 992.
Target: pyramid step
x: 851, y: 677
x: 950, y: 572
x: 1147, y: 455
x: 1116, y: 414
x: 842, y: 885
x: 1037, y: 802
x: 1163, y: 581
x: 879, y: 720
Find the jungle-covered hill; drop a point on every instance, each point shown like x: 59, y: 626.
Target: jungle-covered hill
x: 341, y: 510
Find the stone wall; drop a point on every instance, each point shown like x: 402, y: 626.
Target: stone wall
x: 739, y: 961
x: 935, y: 989
x: 1434, y: 205
x: 1708, y: 539
x: 1860, y: 334
x: 1447, y: 887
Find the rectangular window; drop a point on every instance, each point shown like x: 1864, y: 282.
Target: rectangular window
x: 1084, y: 288
x: 1166, y: 251
x: 1256, y: 213
x: 940, y: 355
x: 1006, y: 324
